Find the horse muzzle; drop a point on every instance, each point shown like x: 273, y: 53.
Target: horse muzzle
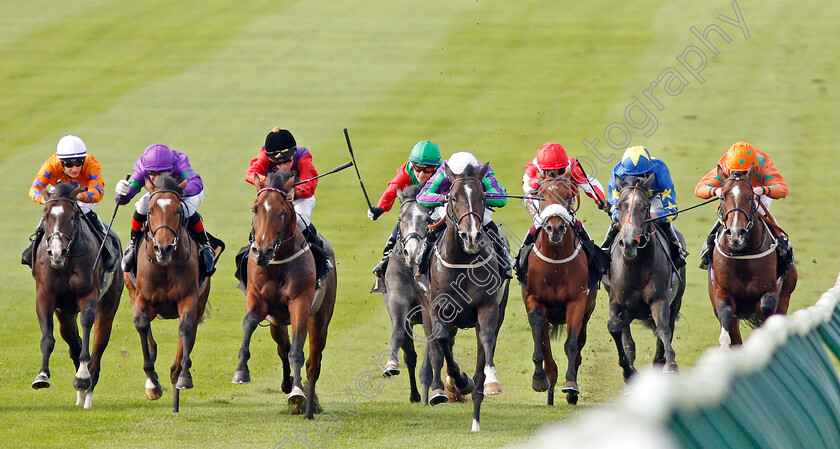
x: 736, y: 238
x: 163, y: 253
x: 262, y: 256
x: 469, y: 241
x: 408, y: 253
x: 629, y: 248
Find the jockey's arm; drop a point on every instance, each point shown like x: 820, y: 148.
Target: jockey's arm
x: 94, y: 184
x: 42, y: 180
x: 306, y: 171
x: 258, y: 167
x: 429, y: 195
x: 494, y: 191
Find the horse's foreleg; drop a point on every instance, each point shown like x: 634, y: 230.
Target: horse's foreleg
x: 45, y: 321
x: 488, y: 319
x: 550, y: 364
x: 726, y: 316
x: 249, y: 324
x: 143, y: 325
x: 281, y: 337
x: 299, y: 314
x: 317, y: 343
x: 478, y: 393
x: 426, y: 371
x: 769, y: 303
x: 87, y: 317
x: 617, y: 326
x: 660, y: 310
x: 441, y: 352
x: 180, y: 372
x: 410, y: 359
x: 101, y: 337
x: 575, y: 337
x: 399, y: 314
x: 69, y: 331
x: 539, y: 381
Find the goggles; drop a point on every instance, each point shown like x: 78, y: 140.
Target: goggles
x: 73, y: 162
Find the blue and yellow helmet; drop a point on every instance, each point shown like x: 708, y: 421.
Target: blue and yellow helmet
x: 636, y: 161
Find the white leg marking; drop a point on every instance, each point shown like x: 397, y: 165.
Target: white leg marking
x: 88, y: 400
x: 490, y: 375
x: 475, y: 426
x: 80, y: 398
x: 83, y: 372
x: 149, y: 384
x: 725, y: 340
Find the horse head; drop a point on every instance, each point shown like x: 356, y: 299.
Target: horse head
x: 465, y: 205
x: 166, y: 216
x: 61, y: 221
x: 556, y: 216
x: 738, y: 206
x: 413, y: 223
x: 274, y: 217
x: 633, y: 210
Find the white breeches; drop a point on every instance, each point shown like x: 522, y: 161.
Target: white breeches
x: 86, y: 207
x: 190, y: 203
x: 304, y: 208
x: 440, y: 212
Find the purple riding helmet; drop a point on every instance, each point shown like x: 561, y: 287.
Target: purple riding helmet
x: 158, y: 158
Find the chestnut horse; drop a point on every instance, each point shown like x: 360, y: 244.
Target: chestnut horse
x: 742, y: 275
x: 67, y: 284
x: 167, y: 285
x: 643, y: 284
x: 557, y: 292
x: 281, y: 286
x: 465, y: 291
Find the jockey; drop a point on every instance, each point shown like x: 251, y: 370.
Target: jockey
x: 768, y: 185
x: 281, y: 152
x: 158, y: 159
x: 552, y: 161
x: 433, y: 195
x: 637, y: 162
x: 422, y: 162
x: 70, y: 163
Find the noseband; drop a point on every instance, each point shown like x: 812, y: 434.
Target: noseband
x: 723, y: 216
x: 61, y: 235
x: 411, y: 235
x: 450, y: 214
x: 280, y: 240
x: 639, y: 233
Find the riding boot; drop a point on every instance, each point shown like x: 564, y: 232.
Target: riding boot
x: 129, y: 258
x: 500, y: 250
x: 708, y: 245
x: 597, y: 259
x: 610, y: 237
x: 379, y: 269
x: 678, y: 254
x: 109, y: 251
x: 206, y: 255
x: 520, y: 265
x: 28, y: 255
x: 423, y: 256
x: 323, y: 265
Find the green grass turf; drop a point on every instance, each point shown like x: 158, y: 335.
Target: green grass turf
x: 496, y: 78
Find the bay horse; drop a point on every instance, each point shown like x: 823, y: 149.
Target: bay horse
x: 742, y: 275
x: 167, y: 285
x: 403, y: 297
x: 557, y: 290
x: 281, y: 286
x: 642, y: 282
x: 465, y: 290
x: 68, y: 285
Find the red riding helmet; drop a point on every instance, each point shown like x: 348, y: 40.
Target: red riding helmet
x: 552, y: 156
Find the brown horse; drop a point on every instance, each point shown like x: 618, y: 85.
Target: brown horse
x: 557, y: 292
x: 742, y: 275
x: 465, y: 291
x: 67, y: 284
x: 281, y: 286
x: 167, y: 285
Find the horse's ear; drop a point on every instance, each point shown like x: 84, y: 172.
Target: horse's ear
x: 721, y: 174
x: 619, y: 183
x: 400, y: 194
x: 449, y: 173
x: 183, y: 184
x: 77, y: 191
x: 751, y: 173
x: 150, y: 186
x: 482, y: 170
x: 289, y: 185
x: 258, y: 182
x: 649, y: 181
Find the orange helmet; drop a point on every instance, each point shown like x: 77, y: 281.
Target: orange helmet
x: 740, y: 156
x: 552, y: 156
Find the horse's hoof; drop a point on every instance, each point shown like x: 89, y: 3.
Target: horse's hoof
x: 449, y: 384
x: 41, y: 381
x: 572, y: 398
x: 671, y: 368
x: 81, y: 384
x: 184, y: 383
x: 438, y: 397
x: 492, y: 388
x: 286, y: 385
x: 540, y: 384
x: 469, y: 387
x: 570, y: 387
x: 296, y: 397
x: 414, y: 397
x: 241, y: 377
x: 154, y: 394
x: 391, y: 369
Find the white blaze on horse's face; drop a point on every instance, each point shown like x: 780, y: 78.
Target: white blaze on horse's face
x: 56, y: 244
x: 473, y: 226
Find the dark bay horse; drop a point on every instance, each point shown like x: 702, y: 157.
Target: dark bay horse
x: 557, y: 291
x: 167, y: 285
x: 642, y: 282
x: 282, y: 287
x: 67, y: 284
x: 403, y: 297
x: 742, y: 275
x: 465, y: 291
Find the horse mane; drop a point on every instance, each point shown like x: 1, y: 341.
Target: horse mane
x: 165, y: 181
x: 64, y: 189
x: 278, y: 179
x: 634, y: 180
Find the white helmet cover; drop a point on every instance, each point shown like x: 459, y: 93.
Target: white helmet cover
x: 458, y: 162
x: 70, y: 147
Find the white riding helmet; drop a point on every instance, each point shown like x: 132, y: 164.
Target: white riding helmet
x: 70, y: 147
x: 459, y: 161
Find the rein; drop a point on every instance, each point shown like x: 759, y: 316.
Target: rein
x: 639, y: 232
x: 451, y: 214
x: 75, y: 232
x: 749, y: 215
x: 182, y: 219
x: 403, y: 239
x: 281, y: 240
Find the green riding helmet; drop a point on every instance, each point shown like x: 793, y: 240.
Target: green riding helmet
x: 425, y: 153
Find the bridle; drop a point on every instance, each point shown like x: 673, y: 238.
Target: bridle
x: 575, y: 198
x: 450, y: 214
x: 722, y: 216
x: 284, y: 216
x: 182, y: 220
x: 70, y: 238
x: 639, y: 233
x: 404, y: 239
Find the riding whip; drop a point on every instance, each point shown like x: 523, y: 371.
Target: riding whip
x: 600, y: 202
x: 337, y: 169
x: 108, y: 230
x: 350, y: 147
